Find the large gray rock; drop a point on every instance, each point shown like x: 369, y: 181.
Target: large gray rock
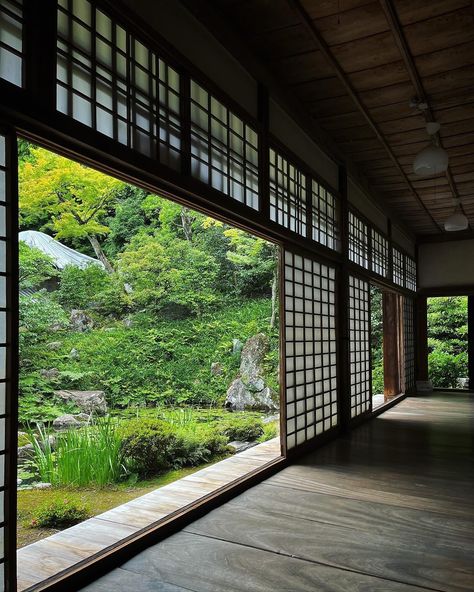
x: 88, y: 401
x: 80, y: 321
x: 66, y: 422
x: 216, y: 369
x: 50, y: 373
x: 240, y: 397
x: 25, y: 452
x: 248, y: 390
x: 54, y: 345
x: 253, y: 354
x: 237, y: 346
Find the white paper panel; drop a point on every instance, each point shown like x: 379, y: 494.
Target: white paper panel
x: 11, y: 33
x: 359, y: 345
x: 310, y: 348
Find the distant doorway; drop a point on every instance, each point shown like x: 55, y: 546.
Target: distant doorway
x: 386, y: 344
x: 448, y: 356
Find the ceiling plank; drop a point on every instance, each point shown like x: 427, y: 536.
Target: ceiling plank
x: 324, y: 49
x: 402, y: 44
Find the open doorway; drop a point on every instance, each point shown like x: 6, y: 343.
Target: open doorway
x: 149, y: 349
x: 376, y: 345
x: 386, y: 345
x: 448, y: 341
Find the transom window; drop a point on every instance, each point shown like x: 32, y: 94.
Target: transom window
x: 325, y: 216
x: 358, y: 241
x: 11, y: 41
x: 108, y: 80
x: 224, y: 149
x: 287, y: 194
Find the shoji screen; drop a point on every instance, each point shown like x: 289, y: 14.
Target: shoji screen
x: 224, y: 149
x: 8, y: 351
x: 287, y: 194
x: 325, y: 216
x: 11, y: 41
x: 398, y: 267
x: 410, y: 273
x: 409, y: 342
x: 110, y: 81
x: 359, y: 345
x: 358, y: 241
x: 379, y: 254
x: 310, y: 348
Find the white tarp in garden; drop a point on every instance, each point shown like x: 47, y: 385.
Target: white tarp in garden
x: 59, y: 253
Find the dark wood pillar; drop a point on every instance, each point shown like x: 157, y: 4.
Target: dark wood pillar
x: 344, y: 380
x: 391, y: 344
x: 421, y: 338
x: 470, y: 340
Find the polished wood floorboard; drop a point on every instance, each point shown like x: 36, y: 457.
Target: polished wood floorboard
x: 50, y: 557
x: 388, y: 508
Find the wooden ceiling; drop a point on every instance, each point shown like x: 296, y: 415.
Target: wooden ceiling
x: 355, y: 66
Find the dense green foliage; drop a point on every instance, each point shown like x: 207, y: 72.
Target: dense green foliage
x: 88, y: 456
x: 376, y: 340
x: 447, y: 340
x: 151, y: 446
x: 177, y: 289
x: 60, y: 512
x: 246, y: 430
x: 117, y: 448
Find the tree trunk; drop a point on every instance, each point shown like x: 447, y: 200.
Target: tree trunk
x: 274, y: 297
x: 186, y: 223
x: 100, y: 253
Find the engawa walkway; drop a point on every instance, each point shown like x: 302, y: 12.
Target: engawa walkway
x: 387, y: 509
x: 48, y: 557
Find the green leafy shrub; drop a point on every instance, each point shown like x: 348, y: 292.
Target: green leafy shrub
x: 60, y: 512
x: 34, y: 267
x: 147, y: 445
x: 377, y: 378
x: 169, y: 275
x: 23, y: 439
x: 93, y: 288
x: 270, y: 431
x: 241, y: 428
x: 151, y: 446
x: 445, y: 368
x: 36, y: 401
x: 197, y: 446
x: 158, y: 362
x: 40, y: 317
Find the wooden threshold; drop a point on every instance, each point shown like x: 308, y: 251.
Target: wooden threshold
x: 49, y: 563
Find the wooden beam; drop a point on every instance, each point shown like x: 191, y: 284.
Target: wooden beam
x: 391, y: 345
x: 327, y: 53
x: 400, y: 40
x: 212, y: 15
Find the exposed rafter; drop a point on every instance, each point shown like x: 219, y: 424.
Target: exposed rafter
x: 329, y: 56
x: 400, y: 40
x: 215, y: 18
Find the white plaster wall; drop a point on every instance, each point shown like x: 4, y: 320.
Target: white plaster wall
x: 371, y: 210
x: 403, y: 240
x: 283, y: 127
x: 446, y: 264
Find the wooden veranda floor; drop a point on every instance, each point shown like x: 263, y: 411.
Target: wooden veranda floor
x: 388, y: 508
x: 49, y: 557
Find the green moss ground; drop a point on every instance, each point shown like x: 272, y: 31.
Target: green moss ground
x: 97, y: 500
